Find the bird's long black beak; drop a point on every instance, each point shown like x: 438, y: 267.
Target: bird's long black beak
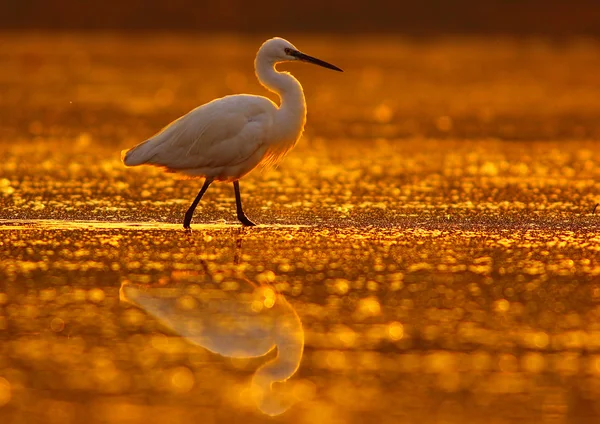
x: 306, y: 58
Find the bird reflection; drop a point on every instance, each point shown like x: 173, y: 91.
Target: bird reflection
x: 244, y: 323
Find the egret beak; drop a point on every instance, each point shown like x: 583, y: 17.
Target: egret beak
x: 309, y: 59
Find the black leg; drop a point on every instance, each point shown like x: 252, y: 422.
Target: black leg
x: 238, y: 203
x: 190, y: 212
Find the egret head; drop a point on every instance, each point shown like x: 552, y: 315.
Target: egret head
x: 278, y: 50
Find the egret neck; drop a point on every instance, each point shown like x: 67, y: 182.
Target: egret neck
x: 291, y: 115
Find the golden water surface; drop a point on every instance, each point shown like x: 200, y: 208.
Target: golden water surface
x: 427, y: 254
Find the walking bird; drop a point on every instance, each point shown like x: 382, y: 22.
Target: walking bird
x: 225, y: 139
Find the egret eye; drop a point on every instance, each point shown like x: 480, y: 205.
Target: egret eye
x: 288, y: 51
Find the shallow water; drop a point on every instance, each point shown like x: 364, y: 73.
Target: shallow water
x: 433, y: 232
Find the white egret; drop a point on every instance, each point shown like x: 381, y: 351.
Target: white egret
x: 247, y: 323
x: 225, y: 139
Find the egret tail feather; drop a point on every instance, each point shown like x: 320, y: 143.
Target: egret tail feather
x: 137, y: 155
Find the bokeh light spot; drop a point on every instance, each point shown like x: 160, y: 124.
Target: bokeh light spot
x: 396, y: 331
x: 57, y: 325
x: 182, y: 379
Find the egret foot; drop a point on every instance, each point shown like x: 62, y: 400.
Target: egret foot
x: 187, y: 220
x: 238, y: 203
x: 245, y: 221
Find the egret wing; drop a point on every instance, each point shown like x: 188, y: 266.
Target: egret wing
x: 219, y: 134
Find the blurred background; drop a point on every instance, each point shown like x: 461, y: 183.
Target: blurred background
x: 427, y: 17
x: 433, y: 229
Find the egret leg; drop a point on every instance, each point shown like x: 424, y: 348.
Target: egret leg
x: 190, y: 212
x: 238, y: 203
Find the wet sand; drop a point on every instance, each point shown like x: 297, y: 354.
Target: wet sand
x: 433, y: 231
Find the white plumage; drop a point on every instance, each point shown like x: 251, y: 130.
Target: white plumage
x: 216, y: 140
x: 226, y: 138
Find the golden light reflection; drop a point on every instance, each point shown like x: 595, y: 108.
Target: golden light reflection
x: 438, y: 237
x: 96, y: 295
x: 444, y: 123
x: 540, y: 339
x: 367, y: 307
x: 533, y: 362
x: 336, y: 359
x: 383, y: 114
x: 344, y: 335
x: 396, y: 331
x: 502, y: 305
x: 239, y: 324
x: 57, y: 324
x: 182, y: 379
x: 508, y: 363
